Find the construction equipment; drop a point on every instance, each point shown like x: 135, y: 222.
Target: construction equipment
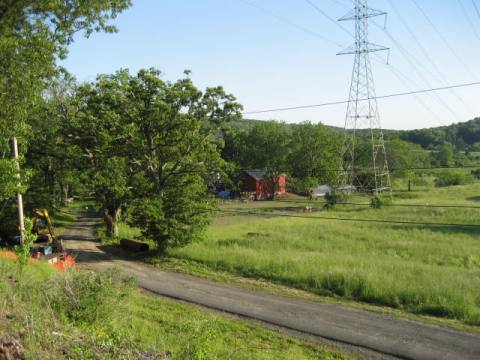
x: 41, y: 220
x: 48, y: 247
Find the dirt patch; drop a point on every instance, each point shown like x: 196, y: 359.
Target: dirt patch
x: 290, y: 196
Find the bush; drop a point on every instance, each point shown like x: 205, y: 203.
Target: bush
x: 476, y: 173
x: 87, y: 297
x: 451, y: 178
x: 335, y: 197
x: 378, y: 202
x: 301, y: 186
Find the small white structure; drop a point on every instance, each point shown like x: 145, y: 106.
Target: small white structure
x: 320, y: 191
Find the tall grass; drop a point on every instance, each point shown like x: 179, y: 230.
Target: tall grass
x: 422, y: 269
x: 86, y: 315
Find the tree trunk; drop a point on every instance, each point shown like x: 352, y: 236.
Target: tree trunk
x: 273, y: 183
x: 409, y: 185
x: 111, y: 216
x: 64, y: 194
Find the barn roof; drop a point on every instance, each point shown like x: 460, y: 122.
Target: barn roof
x: 258, y: 174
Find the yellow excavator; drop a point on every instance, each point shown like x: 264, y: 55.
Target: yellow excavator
x: 41, y: 220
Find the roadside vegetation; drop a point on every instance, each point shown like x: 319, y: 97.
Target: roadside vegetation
x: 85, y: 315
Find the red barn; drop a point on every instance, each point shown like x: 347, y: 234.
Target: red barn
x: 254, y: 182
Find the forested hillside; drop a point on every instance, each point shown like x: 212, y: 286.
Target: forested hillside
x: 463, y: 136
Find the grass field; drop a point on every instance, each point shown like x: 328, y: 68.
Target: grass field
x: 84, y: 315
x: 423, y: 268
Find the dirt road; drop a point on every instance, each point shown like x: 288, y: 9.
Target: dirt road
x: 384, y: 334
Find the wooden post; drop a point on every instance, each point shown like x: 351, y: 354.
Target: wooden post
x: 21, y: 221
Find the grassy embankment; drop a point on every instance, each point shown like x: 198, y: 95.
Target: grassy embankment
x: 422, y: 269
x: 83, y: 315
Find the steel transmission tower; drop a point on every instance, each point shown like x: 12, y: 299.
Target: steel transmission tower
x: 364, y: 168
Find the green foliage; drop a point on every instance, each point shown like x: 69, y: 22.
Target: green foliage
x: 451, y: 178
x: 335, y: 197
x: 444, y: 156
x: 303, y: 150
x: 178, y: 217
x: 403, y: 157
x: 88, y: 315
x: 265, y: 146
x: 50, y: 156
x: 313, y: 153
x: 8, y: 179
x: 23, y: 250
x: 301, y: 186
x: 476, y: 173
x: 153, y: 144
x: 379, y: 201
x: 88, y: 297
x: 33, y: 34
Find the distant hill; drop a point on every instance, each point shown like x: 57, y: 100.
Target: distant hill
x: 464, y: 136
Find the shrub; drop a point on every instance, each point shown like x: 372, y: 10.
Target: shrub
x: 451, y: 178
x: 301, y: 186
x: 476, y: 173
x: 378, y: 202
x: 87, y: 297
x: 335, y: 197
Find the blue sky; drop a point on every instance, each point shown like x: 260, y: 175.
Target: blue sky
x: 280, y: 53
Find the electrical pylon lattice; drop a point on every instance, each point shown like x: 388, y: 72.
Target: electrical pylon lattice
x: 364, y: 165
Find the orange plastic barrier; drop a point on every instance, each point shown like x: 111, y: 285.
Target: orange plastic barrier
x: 9, y: 255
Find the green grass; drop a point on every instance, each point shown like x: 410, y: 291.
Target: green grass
x: 421, y: 269
x: 84, y: 315
x: 62, y: 219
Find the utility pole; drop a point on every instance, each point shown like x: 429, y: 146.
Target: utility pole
x: 21, y: 221
x: 374, y: 177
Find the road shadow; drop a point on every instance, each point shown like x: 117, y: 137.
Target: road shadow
x: 90, y: 256
x: 122, y: 254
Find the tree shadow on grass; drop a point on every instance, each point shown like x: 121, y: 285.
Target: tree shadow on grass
x: 473, y: 198
x: 443, y: 229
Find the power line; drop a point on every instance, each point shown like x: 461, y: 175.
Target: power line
x: 306, y: 30
x: 435, y: 206
x: 404, y: 80
x: 465, y: 13
x: 423, y: 91
x: 444, y: 40
x: 332, y: 20
x: 441, y: 76
x: 390, y: 68
x: 271, y: 214
x: 477, y: 10
x: 411, y: 60
x: 290, y: 23
x: 395, y: 72
x: 418, y: 205
x: 399, y: 75
x: 415, y: 168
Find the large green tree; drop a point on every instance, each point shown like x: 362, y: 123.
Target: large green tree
x: 404, y: 158
x: 33, y: 35
x: 153, y: 144
x: 314, y: 152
